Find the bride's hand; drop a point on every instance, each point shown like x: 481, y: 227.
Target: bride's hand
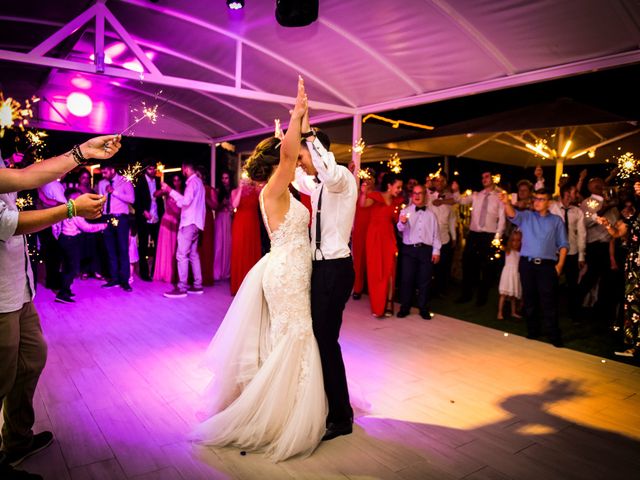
x: 300, y: 108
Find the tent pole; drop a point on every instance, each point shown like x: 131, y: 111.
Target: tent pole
x: 357, y: 134
x: 212, y: 180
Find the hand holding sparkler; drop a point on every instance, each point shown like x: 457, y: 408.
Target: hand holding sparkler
x: 636, y: 188
x: 89, y: 205
x: 101, y: 148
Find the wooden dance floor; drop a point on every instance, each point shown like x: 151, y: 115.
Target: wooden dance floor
x: 434, y: 399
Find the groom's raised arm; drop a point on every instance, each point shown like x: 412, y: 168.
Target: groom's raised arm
x: 334, y: 177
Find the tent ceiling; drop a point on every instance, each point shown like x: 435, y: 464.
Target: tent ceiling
x: 360, y: 56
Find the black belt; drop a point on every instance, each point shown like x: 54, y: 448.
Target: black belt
x: 417, y: 245
x: 539, y: 261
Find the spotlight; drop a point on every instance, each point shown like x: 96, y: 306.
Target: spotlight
x: 235, y: 4
x: 591, y: 153
x: 79, y: 104
x: 296, y: 13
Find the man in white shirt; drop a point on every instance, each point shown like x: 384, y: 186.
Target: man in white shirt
x: 119, y: 195
x: 441, y: 204
x: 420, y: 252
x: 487, y: 223
x: 573, y: 219
x: 333, y: 199
x: 192, y: 217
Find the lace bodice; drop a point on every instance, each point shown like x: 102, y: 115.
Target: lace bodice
x: 287, y: 279
x: 294, y: 227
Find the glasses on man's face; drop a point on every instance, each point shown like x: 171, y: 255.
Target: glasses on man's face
x: 539, y: 199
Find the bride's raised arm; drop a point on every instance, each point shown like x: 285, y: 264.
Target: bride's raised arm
x: 278, y: 185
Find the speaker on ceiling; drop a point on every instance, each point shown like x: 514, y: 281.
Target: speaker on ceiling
x: 296, y: 13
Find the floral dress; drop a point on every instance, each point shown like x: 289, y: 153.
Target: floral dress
x: 632, y: 284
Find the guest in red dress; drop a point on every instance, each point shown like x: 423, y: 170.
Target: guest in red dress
x: 359, y: 238
x: 166, y: 268
x: 245, y: 232
x: 207, y: 240
x: 381, y: 247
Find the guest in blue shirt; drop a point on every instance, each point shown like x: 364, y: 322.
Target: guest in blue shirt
x: 420, y: 252
x: 544, y: 250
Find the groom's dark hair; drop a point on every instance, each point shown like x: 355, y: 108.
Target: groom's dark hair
x: 323, y: 137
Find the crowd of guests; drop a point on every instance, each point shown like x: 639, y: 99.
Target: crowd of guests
x: 409, y: 239
x: 583, y: 237
x: 183, y: 232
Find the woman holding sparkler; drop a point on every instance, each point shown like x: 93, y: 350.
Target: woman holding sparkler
x: 629, y: 228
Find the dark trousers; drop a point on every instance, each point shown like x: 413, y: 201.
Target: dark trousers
x: 417, y: 270
x: 90, y: 248
x: 477, y: 266
x: 146, y: 231
x: 540, y: 286
x: 23, y: 354
x: 71, y: 252
x: 571, y: 273
x: 331, y: 284
x: 116, y: 239
x: 52, y: 258
x: 442, y: 269
x: 598, y: 266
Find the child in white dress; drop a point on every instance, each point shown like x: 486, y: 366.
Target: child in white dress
x: 510, y: 287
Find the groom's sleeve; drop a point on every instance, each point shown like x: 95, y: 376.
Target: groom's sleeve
x: 304, y: 183
x: 334, y: 177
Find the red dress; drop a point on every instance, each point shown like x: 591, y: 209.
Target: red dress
x: 206, y: 246
x: 245, y: 238
x: 381, y: 250
x: 359, y: 238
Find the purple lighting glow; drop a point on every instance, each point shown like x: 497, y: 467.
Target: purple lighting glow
x: 79, y: 104
x: 81, y: 82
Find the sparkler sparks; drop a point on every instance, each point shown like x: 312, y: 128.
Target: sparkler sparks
x: 627, y: 166
x: 394, y: 163
x: 145, y: 112
x: 365, y: 174
x: 12, y: 114
x: 358, y: 147
x: 114, y: 221
x: 23, y: 202
x: 132, y: 171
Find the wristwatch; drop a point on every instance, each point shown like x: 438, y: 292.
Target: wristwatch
x: 308, y: 134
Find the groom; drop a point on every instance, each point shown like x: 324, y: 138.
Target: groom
x: 333, y: 194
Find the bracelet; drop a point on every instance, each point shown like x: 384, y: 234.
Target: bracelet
x: 75, y: 210
x: 70, y: 209
x: 77, y: 155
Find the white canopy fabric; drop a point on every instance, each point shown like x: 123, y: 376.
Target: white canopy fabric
x: 226, y: 75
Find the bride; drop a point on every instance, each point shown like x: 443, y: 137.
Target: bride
x: 267, y: 392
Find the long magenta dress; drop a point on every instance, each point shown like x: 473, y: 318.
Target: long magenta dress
x: 245, y: 238
x: 166, y: 269
x: 381, y: 250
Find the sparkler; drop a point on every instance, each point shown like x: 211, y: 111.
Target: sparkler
x: 132, y: 171
x: 358, y: 147
x: 35, y: 140
x: 365, y: 174
x: 114, y: 221
x: 394, y: 163
x: 12, y: 113
x: 148, y: 112
x: 496, y: 178
x: 627, y: 166
x: 23, y: 202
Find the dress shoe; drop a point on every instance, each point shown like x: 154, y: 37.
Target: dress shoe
x: 336, y: 429
x: 109, y: 284
x: 39, y: 442
x: 356, y: 296
x: 126, y: 287
x: 402, y: 313
x: 146, y: 279
x: 427, y: 315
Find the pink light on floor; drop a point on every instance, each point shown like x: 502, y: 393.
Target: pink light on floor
x: 79, y: 104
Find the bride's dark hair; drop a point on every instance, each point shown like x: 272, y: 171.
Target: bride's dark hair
x: 263, y: 160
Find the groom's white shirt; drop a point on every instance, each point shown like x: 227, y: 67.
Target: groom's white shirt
x: 339, y: 197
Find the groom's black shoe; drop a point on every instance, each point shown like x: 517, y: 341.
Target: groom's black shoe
x: 336, y: 429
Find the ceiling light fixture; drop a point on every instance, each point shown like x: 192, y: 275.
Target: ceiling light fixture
x: 235, y: 4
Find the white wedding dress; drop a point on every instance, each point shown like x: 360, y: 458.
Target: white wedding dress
x: 267, y: 393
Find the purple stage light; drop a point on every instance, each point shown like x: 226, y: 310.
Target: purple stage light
x: 235, y: 4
